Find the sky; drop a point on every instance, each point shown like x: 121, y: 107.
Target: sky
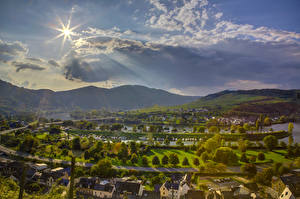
x: 188, y: 47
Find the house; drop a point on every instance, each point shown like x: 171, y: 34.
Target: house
x: 150, y: 195
x: 130, y: 188
x: 242, y: 192
x: 50, y: 176
x: 169, y: 190
x: 39, y: 167
x: 94, y: 187
x: 288, y: 194
x: 290, y: 181
x: 103, y: 189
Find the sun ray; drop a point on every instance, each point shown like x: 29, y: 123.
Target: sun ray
x: 66, y: 31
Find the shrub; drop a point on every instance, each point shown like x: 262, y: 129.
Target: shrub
x: 155, y: 160
x: 196, y: 162
x: 165, y: 160
x: 185, y: 162
x: 244, y: 158
x: 225, y: 155
x: 173, y: 159
x: 144, y: 161
x: 204, y: 156
x: 270, y: 142
x: 261, y: 156
x: 249, y: 169
x: 134, y: 159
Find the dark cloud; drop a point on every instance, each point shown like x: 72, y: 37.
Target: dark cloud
x: 213, y: 66
x: 78, y: 68
x: 34, y: 59
x: 10, y: 50
x: 23, y: 66
x: 53, y: 63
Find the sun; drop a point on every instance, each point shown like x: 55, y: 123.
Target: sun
x: 66, y: 31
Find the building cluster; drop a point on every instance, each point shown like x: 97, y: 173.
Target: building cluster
x: 35, y: 173
x: 178, y: 187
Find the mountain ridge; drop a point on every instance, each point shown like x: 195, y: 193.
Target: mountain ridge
x: 15, y: 99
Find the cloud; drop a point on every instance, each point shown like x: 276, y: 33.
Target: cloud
x: 81, y: 68
x: 11, y: 50
x: 23, y: 66
x: 53, y: 63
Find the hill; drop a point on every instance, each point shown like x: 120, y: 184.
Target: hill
x: 16, y: 99
x: 265, y: 101
x: 273, y: 102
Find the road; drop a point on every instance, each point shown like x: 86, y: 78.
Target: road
x: 83, y: 164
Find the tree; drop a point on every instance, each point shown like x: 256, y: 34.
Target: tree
x: 242, y: 145
x: 267, y: 121
x: 204, y: 156
x: 213, y: 143
x: 201, y: 129
x: 290, y: 127
x: 116, y: 127
x: 249, y: 169
x: 264, y: 177
x: 185, y: 162
x: 196, y: 162
x: 244, y: 158
x: 132, y: 147
x: 155, y: 160
x: 165, y: 160
x: 71, y: 188
x: 144, y: 161
x: 261, y: 156
x: 29, y: 145
x: 241, y: 130
x: 123, y: 153
x: 76, y: 143
x: 213, y: 129
x: 173, y: 159
x: 225, y: 155
x: 246, y: 126
x: 270, y: 142
x: 200, y: 150
x: 134, y: 158
x: 167, y: 141
x: 179, y: 142
x: 194, y: 129
x: 103, y: 169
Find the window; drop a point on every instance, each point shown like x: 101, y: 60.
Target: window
x: 286, y: 193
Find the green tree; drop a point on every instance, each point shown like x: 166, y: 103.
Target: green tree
x: 290, y: 127
x: 244, y: 158
x: 134, y: 158
x: 249, y: 169
x: 241, y: 130
x: 132, y: 147
x: 291, y: 140
x: 213, y: 129
x: 185, y: 162
x: 71, y: 188
x: 204, y: 156
x: 264, y: 177
x: 261, y: 156
x: 173, y: 159
x: 103, y: 169
x: 270, y: 142
x: 165, y: 160
x: 155, y: 160
x: 196, y: 162
x: 123, y: 153
x: 225, y: 155
x: 76, y: 143
x: 179, y: 142
x: 167, y: 141
x: 201, y: 129
x: 144, y: 161
x: 267, y: 121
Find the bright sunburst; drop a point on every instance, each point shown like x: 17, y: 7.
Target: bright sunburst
x: 65, y: 31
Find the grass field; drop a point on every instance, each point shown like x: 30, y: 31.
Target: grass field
x: 275, y: 156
